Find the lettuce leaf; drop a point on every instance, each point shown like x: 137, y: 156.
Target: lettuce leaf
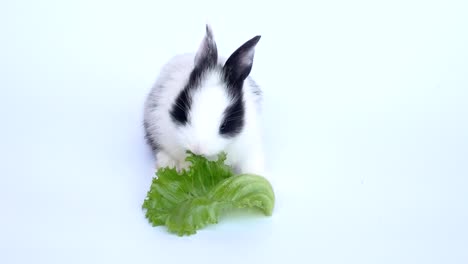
x: 188, y: 201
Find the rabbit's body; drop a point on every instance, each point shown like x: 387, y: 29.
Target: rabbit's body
x: 207, y: 105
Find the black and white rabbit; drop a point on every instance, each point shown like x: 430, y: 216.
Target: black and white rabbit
x: 207, y: 105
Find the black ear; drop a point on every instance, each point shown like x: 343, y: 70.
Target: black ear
x: 238, y: 66
x: 207, y: 54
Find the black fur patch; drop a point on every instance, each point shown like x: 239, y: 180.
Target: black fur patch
x: 181, y: 107
x: 233, y: 120
x: 235, y: 71
x: 183, y: 103
x: 205, y: 60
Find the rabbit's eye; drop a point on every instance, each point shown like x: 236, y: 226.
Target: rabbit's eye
x: 223, y: 129
x: 233, y: 121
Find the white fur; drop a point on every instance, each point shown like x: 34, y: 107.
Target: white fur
x: 244, y: 151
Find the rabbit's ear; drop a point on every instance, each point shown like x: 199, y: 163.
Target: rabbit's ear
x: 239, y: 64
x: 207, y: 54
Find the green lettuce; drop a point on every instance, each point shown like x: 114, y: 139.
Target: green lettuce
x: 189, y: 200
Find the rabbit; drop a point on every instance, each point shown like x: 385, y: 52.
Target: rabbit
x: 207, y: 105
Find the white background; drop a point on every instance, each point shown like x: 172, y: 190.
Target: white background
x: 365, y: 115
